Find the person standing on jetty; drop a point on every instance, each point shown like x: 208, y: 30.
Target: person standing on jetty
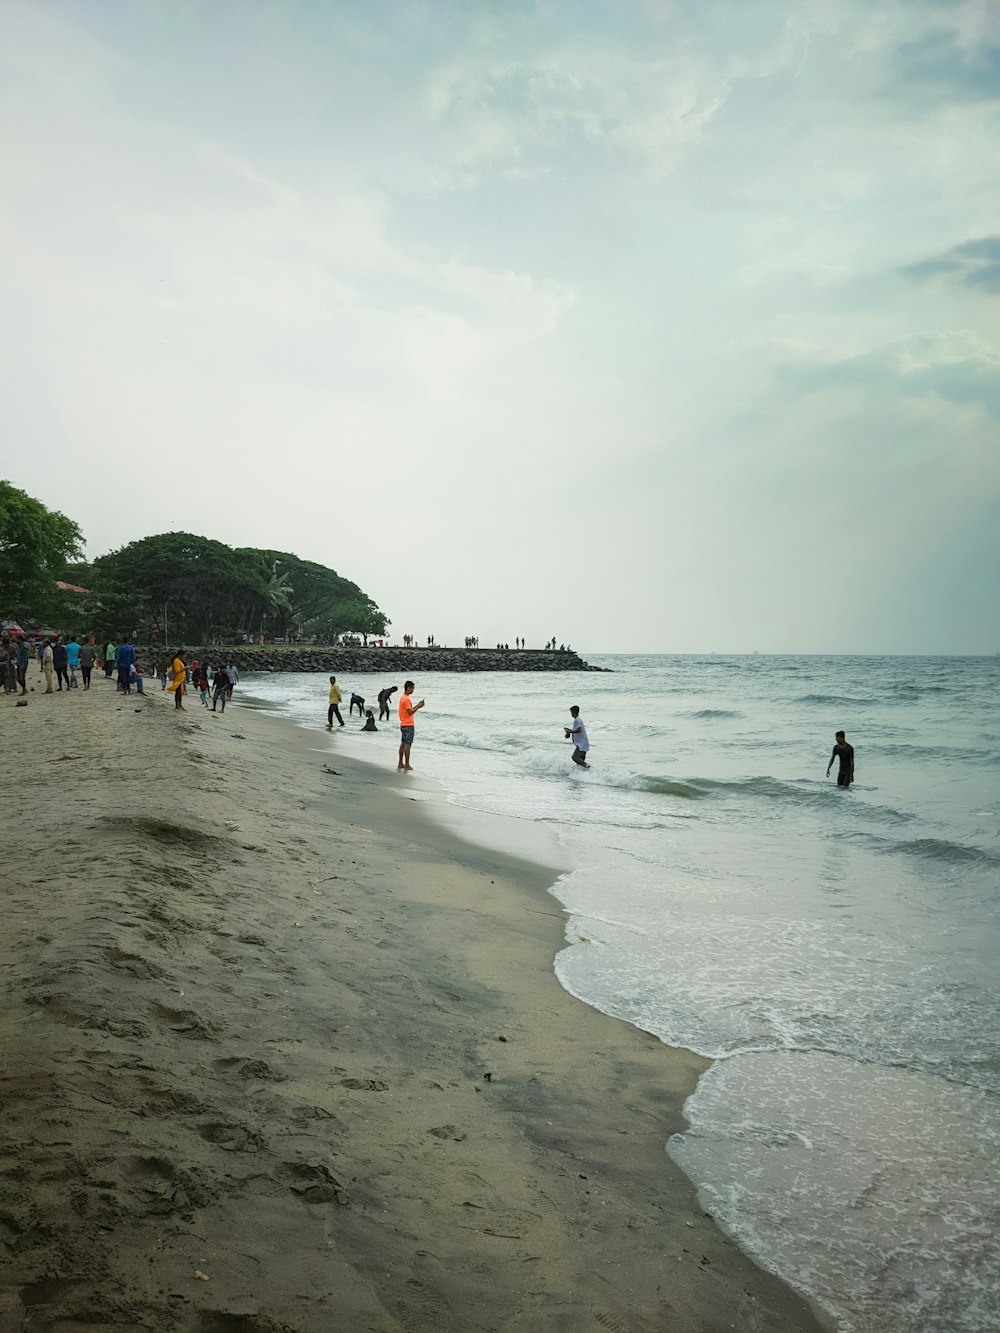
x: 845, y: 753
x: 333, y: 711
x: 577, y: 733
x: 407, y: 708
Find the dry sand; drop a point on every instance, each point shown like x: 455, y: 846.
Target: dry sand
x: 250, y: 1011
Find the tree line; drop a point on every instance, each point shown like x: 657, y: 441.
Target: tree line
x: 193, y: 588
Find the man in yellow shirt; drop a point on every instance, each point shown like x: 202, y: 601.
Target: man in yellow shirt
x: 334, y: 710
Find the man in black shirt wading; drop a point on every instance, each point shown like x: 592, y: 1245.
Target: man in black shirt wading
x: 845, y: 753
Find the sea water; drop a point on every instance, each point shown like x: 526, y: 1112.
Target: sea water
x: 836, y: 952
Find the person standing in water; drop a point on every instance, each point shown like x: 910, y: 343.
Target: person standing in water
x: 407, y: 708
x: 577, y: 733
x: 845, y: 753
x: 334, y: 709
x: 384, y: 697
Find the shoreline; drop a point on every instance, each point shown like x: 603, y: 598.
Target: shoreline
x: 251, y: 1008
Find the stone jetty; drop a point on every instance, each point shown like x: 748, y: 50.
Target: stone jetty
x: 387, y: 661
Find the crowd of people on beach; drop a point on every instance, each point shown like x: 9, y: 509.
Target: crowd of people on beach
x: 69, y: 665
x: 66, y: 664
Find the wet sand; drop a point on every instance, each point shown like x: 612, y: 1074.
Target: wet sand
x: 279, y: 1053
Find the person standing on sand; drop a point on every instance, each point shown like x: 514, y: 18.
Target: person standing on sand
x: 109, y: 659
x: 407, y: 708
x: 577, y: 733
x: 220, y: 691
x: 59, y: 661
x: 125, y: 660
x: 845, y: 753
x: 23, y: 658
x: 73, y: 661
x: 47, y: 667
x: 178, y: 672
x: 333, y: 711
x: 88, y: 653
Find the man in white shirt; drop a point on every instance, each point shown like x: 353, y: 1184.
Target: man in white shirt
x: 577, y: 733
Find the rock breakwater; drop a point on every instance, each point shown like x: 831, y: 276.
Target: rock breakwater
x: 397, y: 661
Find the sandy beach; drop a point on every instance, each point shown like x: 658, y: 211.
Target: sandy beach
x: 279, y: 1053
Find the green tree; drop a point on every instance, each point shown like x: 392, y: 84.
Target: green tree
x: 358, y: 617
x: 36, y: 545
x: 196, y: 581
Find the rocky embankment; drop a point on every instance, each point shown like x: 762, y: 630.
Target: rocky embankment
x: 397, y: 661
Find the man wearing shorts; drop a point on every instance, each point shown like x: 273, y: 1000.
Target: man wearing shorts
x: 577, y: 733
x: 407, y: 708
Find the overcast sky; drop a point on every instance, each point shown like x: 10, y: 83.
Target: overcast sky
x: 656, y: 326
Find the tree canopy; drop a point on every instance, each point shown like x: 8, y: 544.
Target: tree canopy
x: 36, y: 546
x: 202, y: 589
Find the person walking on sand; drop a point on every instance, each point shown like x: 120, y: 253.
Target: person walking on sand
x: 73, y: 662
x: 220, y: 691
x: 577, y: 733
x: 383, y: 702
x: 333, y: 710
x: 407, y: 708
x: 23, y: 658
x: 88, y: 655
x: 233, y: 676
x: 124, y: 658
x: 178, y: 682
x: 845, y: 753
x: 59, y: 661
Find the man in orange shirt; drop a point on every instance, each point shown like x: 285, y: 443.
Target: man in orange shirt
x: 406, y: 710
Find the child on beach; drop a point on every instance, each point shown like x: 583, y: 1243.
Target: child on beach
x: 369, y: 721
x: 577, y: 733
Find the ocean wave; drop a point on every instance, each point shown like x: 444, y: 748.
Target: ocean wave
x: 685, y: 791
x: 941, y: 849
x: 833, y: 701
x: 712, y: 713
